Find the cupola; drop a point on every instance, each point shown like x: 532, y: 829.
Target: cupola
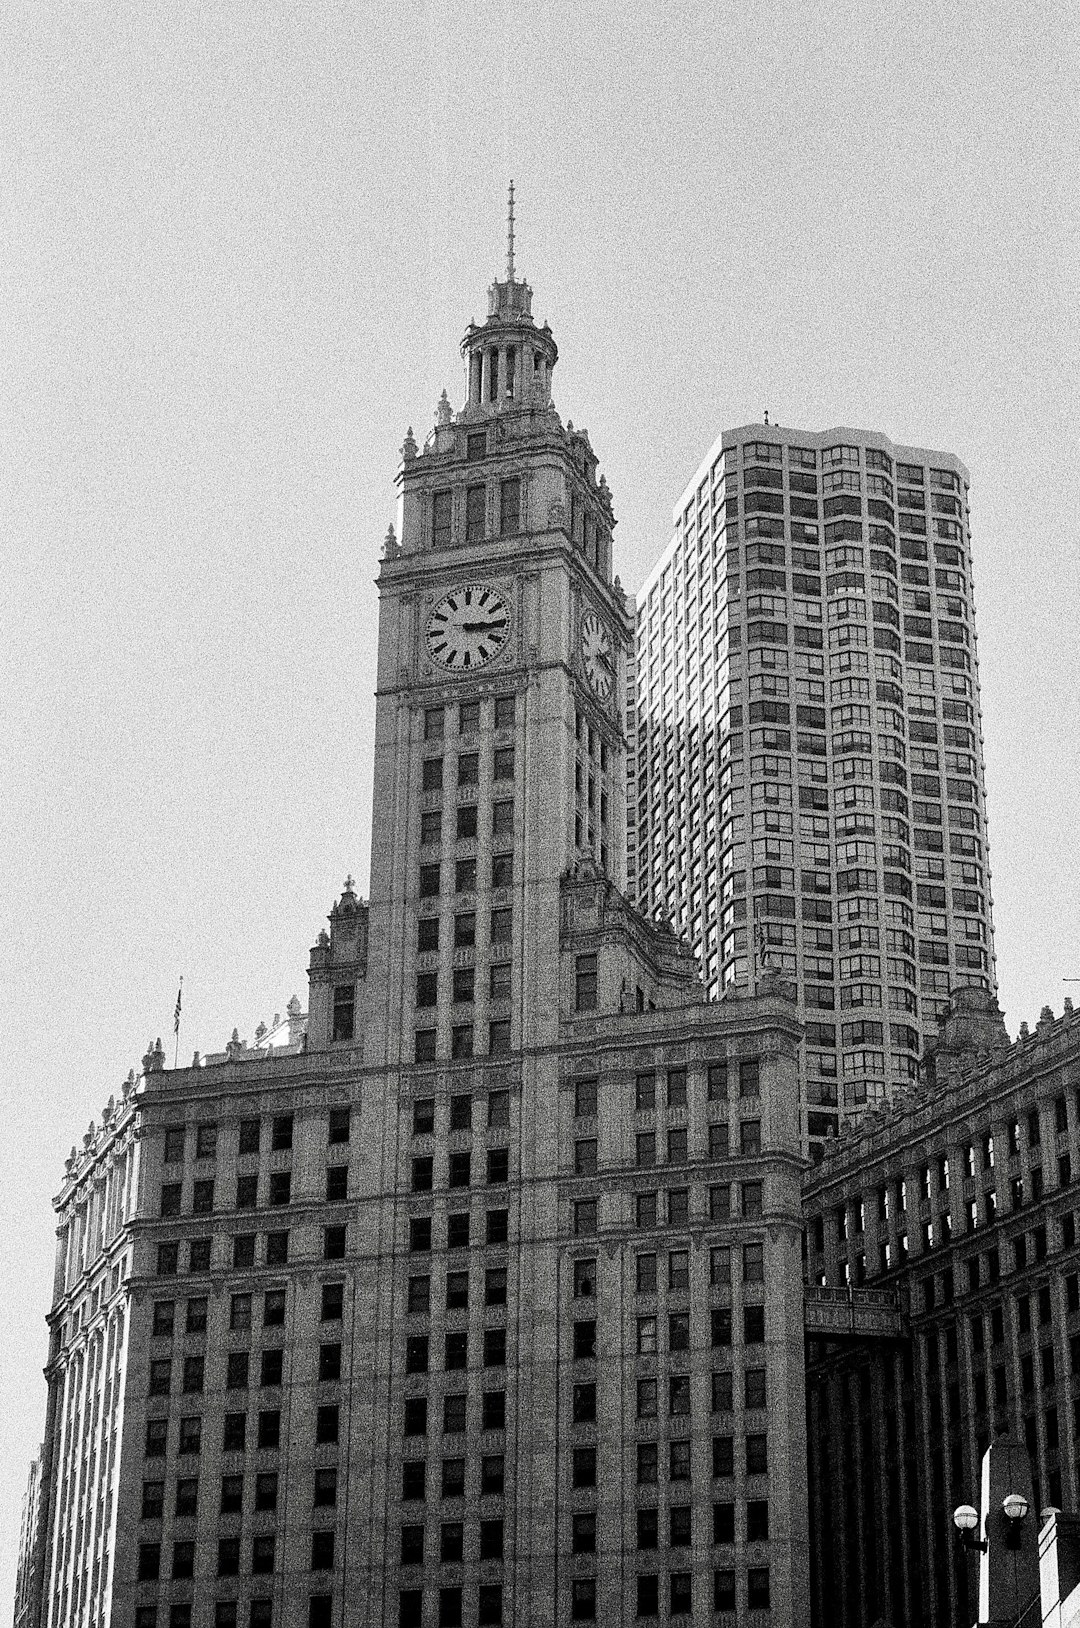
x: 508, y: 359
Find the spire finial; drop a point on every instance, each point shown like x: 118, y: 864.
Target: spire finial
x: 510, y: 238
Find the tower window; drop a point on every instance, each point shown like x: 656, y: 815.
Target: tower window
x: 510, y: 507
x: 475, y: 446
x: 464, y: 983
x: 461, y: 1040
x: 504, y: 712
x: 344, y: 1011
x: 475, y: 513
x: 427, y: 935
x: 465, y: 930
x: 429, y: 881
x: 502, y: 870
x: 501, y: 926
x: 466, y: 821
x: 585, y: 990
x: 425, y: 1045
x: 442, y: 505
x: 469, y: 718
x: 434, y: 723
x: 502, y: 818
x: 493, y: 375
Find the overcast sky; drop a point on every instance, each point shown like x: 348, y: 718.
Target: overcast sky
x: 241, y: 244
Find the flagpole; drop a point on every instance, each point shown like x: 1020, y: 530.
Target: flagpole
x: 176, y: 1023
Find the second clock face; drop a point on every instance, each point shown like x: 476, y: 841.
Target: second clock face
x: 468, y: 627
x: 596, y: 654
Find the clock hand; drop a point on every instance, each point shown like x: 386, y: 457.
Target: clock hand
x: 481, y: 627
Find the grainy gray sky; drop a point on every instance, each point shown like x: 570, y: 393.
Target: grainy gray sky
x: 241, y: 244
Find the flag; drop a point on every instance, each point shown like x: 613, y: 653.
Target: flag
x: 176, y: 1014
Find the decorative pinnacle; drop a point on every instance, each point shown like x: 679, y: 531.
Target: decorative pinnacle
x: 510, y: 239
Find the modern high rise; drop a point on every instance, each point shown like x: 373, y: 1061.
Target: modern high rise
x: 482, y: 1302
x: 809, y: 777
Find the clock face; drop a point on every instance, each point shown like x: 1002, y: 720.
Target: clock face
x: 597, y: 656
x: 468, y: 628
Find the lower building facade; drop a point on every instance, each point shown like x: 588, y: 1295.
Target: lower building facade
x: 960, y: 1202
x: 499, y: 1340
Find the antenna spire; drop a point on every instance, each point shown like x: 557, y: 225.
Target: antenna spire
x: 510, y: 238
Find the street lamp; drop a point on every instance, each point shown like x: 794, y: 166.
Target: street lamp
x: 1014, y: 1507
x: 966, y: 1521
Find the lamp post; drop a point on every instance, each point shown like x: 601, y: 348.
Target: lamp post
x: 1002, y: 1535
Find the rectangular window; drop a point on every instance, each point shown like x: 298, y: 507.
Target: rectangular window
x: 718, y: 1082
x: 510, y: 507
x: 344, y: 1011
x: 585, y: 983
x: 585, y: 1096
x: 465, y: 931
x: 441, y: 512
x: 501, y: 926
x: 475, y: 513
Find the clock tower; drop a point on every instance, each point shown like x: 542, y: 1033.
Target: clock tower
x: 500, y: 746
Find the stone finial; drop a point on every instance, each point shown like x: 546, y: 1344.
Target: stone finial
x: 196, y: 1061
x: 1046, y: 1018
x: 570, y: 424
x: 1025, y: 1032
x: 408, y: 446
x: 153, y: 1057
x: 72, y: 1160
x: 293, y: 1005
x: 1067, y: 1005
x: 390, y: 543
x: 260, y: 1033
x: 323, y: 940
x: 443, y: 412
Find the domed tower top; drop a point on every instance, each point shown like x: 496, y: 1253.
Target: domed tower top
x: 508, y: 360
